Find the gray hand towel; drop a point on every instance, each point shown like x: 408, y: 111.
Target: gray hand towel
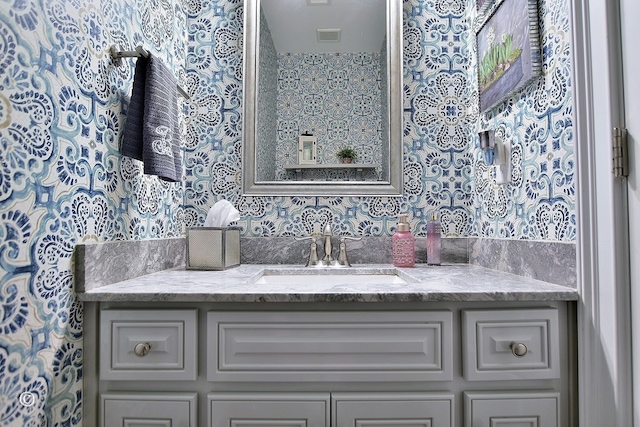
x: 151, y: 133
x: 132, y: 139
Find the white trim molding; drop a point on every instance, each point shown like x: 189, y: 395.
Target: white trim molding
x: 604, y: 328
x: 629, y: 13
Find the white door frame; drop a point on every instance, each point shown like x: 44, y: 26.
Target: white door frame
x: 604, y: 311
x: 630, y: 28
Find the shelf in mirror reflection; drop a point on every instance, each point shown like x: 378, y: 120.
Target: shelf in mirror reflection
x: 359, y: 168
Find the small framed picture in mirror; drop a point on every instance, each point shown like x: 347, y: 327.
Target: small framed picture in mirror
x: 307, y: 150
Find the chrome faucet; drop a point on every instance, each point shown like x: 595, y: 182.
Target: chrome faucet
x: 328, y: 260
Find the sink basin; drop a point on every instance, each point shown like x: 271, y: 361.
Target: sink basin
x: 312, y: 276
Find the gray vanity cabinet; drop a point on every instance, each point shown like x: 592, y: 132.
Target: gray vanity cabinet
x: 460, y: 364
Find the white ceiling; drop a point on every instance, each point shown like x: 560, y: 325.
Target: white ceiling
x: 293, y: 25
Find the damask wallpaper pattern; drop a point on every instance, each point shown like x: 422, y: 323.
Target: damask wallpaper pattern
x: 443, y: 167
x: 437, y: 159
x: 62, y: 180
x: 337, y: 98
x: 538, y: 125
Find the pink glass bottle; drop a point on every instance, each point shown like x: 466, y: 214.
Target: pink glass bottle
x: 434, y: 244
x: 404, y: 244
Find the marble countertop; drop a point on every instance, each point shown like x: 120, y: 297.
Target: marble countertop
x: 456, y: 282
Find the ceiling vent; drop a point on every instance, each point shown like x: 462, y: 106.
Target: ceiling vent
x: 318, y: 2
x: 328, y: 35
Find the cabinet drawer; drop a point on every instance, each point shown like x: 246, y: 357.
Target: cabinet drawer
x: 329, y: 346
x: 511, y: 344
x: 268, y: 409
x: 392, y: 409
x: 148, y: 345
x: 522, y: 409
x: 148, y: 409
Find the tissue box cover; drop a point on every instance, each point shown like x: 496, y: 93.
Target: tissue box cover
x: 213, y: 248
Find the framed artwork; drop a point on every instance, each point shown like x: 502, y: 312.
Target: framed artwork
x: 508, y: 46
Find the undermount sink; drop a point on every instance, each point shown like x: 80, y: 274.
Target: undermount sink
x: 323, y: 276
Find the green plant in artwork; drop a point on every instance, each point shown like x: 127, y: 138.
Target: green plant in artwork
x: 496, y: 60
x: 347, y: 154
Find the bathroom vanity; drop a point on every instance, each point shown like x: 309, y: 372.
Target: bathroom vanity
x: 256, y: 345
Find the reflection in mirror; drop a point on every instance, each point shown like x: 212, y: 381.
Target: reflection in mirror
x: 328, y: 72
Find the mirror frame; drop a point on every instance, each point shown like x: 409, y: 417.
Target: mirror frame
x: 392, y: 187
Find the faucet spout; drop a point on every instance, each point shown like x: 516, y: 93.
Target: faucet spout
x: 328, y: 246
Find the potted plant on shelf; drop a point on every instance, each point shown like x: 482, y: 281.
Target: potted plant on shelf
x: 347, y: 154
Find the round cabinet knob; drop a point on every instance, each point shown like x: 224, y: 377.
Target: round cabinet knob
x: 142, y: 349
x: 518, y: 349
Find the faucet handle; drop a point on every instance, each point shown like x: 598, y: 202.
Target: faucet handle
x: 343, y: 260
x: 313, y: 251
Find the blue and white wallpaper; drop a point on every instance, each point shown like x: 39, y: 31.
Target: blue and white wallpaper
x: 437, y: 137
x: 63, y: 181
x: 443, y: 169
x: 337, y: 98
x: 537, y: 123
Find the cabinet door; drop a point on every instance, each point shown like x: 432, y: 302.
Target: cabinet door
x: 513, y: 409
x: 392, y: 409
x: 148, y: 410
x: 268, y: 410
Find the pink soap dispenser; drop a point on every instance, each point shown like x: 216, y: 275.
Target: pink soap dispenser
x: 404, y: 244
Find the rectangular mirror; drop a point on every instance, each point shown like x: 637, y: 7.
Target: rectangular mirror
x: 330, y: 70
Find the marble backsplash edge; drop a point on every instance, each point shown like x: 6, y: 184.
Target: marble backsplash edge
x: 553, y: 262
x: 368, y: 250
x: 101, y: 264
